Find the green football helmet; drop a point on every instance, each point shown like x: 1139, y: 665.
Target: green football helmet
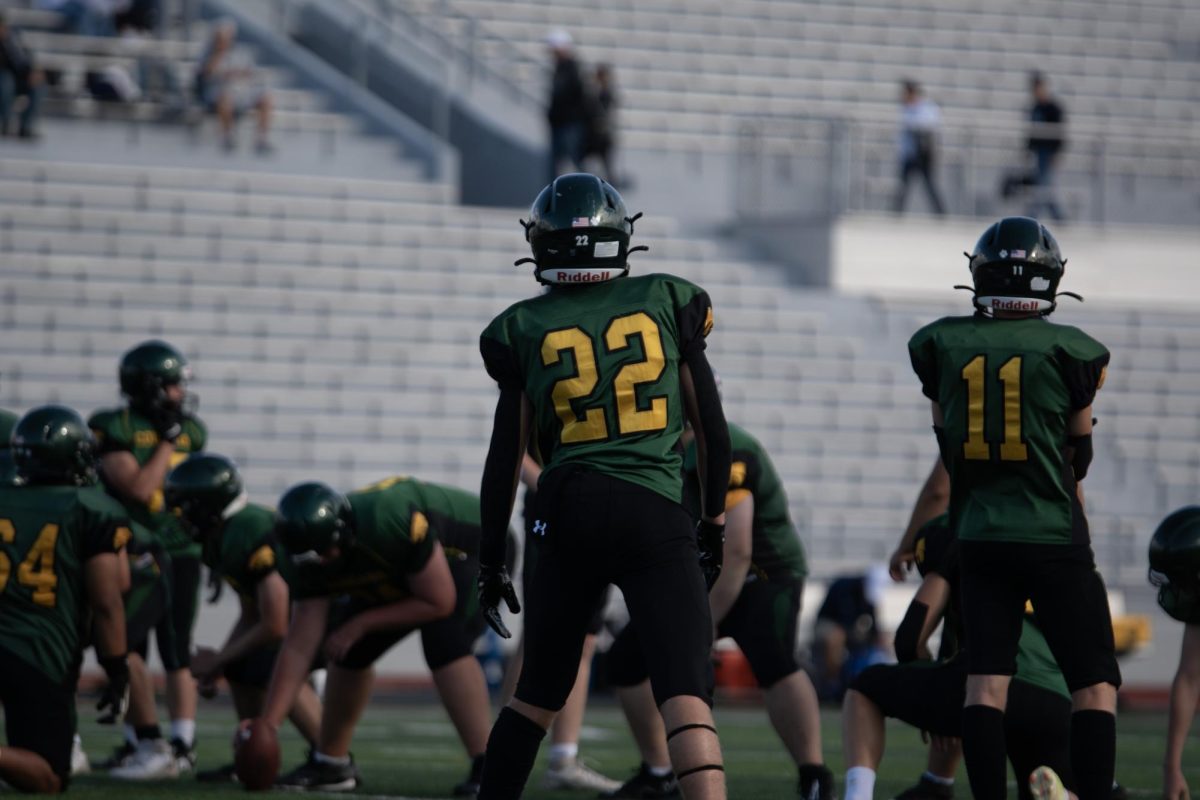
x: 1016, y: 266
x: 53, y: 445
x: 1175, y: 564
x: 8, y: 468
x: 579, y: 232
x: 147, y: 370
x: 310, y: 519
x: 204, y: 491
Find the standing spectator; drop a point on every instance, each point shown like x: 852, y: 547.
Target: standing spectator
x: 220, y: 86
x: 1046, y: 141
x: 19, y: 77
x: 601, y: 121
x: 567, y: 110
x: 920, y: 119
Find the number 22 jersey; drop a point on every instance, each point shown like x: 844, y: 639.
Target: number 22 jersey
x: 1007, y: 389
x: 600, y: 365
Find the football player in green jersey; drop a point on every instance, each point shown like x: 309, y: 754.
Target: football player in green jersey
x: 602, y: 370
x: 365, y: 570
x: 59, y: 540
x: 1175, y: 570
x: 756, y: 600
x: 1012, y: 401
x: 238, y: 542
x: 138, y: 444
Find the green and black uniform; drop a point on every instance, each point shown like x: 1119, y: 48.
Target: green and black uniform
x: 930, y: 695
x: 243, y: 553
x: 763, y: 619
x: 47, y: 535
x: 125, y: 430
x: 1007, y: 389
x: 600, y: 366
x: 396, y: 524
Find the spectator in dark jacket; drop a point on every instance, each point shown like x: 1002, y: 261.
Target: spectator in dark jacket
x: 1046, y: 141
x: 601, y: 121
x: 567, y: 109
x: 19, y: 77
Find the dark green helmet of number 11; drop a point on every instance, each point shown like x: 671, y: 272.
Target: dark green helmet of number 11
x: 1016, y: 266
x: 53, y: 445
x: 201, y: 491
x: 1175, y: 564
x: 147, y: 369
x: 310, y: 519
x: 579, y: 232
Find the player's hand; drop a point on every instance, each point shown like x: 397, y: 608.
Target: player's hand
x: 900, y: 564
x: 115, y: 697
x: 1174, y: 784
x: 710, y: 538
x: 340, y: 641
x: 493, y: 586
x: 204, y: 665
x: 168, y: 423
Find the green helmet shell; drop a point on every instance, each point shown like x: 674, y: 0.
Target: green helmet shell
x: 1016, y: 266
x: 52, y: 445
x: 311, y: 518
x: 579, y: 231
x: 1175, y: 564
x: 202, y: 490
x: 147, y: 369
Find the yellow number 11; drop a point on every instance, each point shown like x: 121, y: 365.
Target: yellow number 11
x: 977, y: 447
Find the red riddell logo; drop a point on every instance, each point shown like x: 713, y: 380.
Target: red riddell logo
x: 1014, y: 305
x: 582, y: 277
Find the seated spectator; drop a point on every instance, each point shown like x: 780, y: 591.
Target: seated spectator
x: 19, y: 77
x: 222, y: 86
x: 85, y: 17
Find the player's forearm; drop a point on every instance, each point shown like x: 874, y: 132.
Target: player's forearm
x: 291, y: 670
x: 1185, y: 694
x: 148, y: 479
x: 242, y: 643
x: 410, y: 612
x: 728, y: 586
x: 102, y: 573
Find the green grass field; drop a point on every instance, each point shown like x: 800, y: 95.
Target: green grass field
x: 410, y: 751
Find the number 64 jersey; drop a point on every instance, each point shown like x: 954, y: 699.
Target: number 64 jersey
x: 1007, y: 389
x: 600, y: 365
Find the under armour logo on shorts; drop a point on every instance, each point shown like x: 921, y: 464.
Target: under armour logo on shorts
x: 539, y: 527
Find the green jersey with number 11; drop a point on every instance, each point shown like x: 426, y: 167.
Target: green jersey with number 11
x: 600, y: 365
x: 1007, y: 389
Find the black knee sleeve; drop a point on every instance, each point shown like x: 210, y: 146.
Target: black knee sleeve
x: 511, y: 750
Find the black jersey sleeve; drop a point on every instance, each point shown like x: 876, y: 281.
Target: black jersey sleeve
x: 694, y: 319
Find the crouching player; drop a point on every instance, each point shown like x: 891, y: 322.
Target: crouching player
x: 364, y: 571
x: 206, y: 493
x: 60, y: 537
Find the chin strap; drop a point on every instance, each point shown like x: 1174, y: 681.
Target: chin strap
x: 1072, y: 295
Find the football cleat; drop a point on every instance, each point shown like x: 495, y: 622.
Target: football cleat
x: 119, y: 757
x: 185, y: 755
x: 318, y: 776
x: 571, y: 773
x: 153, y: 759
x: 927, y: 790
x: 1045, y: 784
x: 645, y: 785
x: 470, y: 786
x: 79, y: 759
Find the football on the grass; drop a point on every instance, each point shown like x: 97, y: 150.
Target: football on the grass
x: 256, y: 755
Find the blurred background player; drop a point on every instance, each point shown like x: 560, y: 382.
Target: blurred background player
x: 756, y: 600
x: 847, y: 637
x: 1175, y: 570
x: 565, y: 770
x: 365, y: 570
x: 138, y: 444
x: 237, y: 537
x: 1012, y: 409
x: 609, y: 499
x: 59, y: 540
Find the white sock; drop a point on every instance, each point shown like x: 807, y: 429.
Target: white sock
x: 938, y: 779
x: 659, y: 772
x: 131, y: 735
x: 184, y: 730
x: 321, y: 758
x: 563, y: 752
x: 860, y: 784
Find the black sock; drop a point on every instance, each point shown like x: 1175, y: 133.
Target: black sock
x: 147, y: 732
x: 511, y: 750
x: 816, y: 776
x: 1093, y: 753
x: 984, y: 753
x: 477, y: 768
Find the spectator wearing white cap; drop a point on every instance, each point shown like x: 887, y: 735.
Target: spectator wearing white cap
x: 567, y: 109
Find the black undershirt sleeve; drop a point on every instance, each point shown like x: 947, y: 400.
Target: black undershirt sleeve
x: 714, y: 429
x: 499, y: 477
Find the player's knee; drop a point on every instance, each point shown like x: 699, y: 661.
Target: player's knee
x: 694, y: 747
x: 1097, y: 697
x: 988, y: 690
x: 871, y: 682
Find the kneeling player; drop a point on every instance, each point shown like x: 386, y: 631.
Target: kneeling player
x: 59, y: 540
x: 372, y: 567
x: 1175, y: 570
x: 206, y: 493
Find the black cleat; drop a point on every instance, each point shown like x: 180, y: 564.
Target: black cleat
x: 119, y: 757
x: 927, y: 790
x: 815, y: 783
x: 225, y: 774
x: 645, y: 785
x: 317, y: 776
x: 470, y: 786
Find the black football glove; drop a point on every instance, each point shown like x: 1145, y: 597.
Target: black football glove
x: 494, y: 585
x: 710, y: 538
x: 168, y: 423
x: 215, y: 585
x: 115, y: 697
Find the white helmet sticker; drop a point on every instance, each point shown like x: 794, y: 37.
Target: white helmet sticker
x: 1039, y: 284
x: 607, y: 249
